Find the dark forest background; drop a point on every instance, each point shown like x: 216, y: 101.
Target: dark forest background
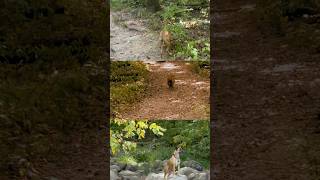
x: 53, y: 56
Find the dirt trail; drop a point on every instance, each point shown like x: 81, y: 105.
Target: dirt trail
x: 266, y: 102
x: 188, y: 100
x: 130, y: 39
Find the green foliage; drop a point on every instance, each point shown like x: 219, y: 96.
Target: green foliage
x: 200, y: 3
x: 201, y: 67
x: 192, y: 136
x: 127, y: 159
x: 124, y: 133
x: 173, y: 12
x: 151, y: 5
x: 186, y: 47
x: 128, y: 83
x: 123, y: 72
x: 187, y: 31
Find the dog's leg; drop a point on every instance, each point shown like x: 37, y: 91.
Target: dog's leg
x: 162, y: 44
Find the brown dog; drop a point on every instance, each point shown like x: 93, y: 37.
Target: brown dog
x: 170, y: 80
x: 165, y: 38
x: 170, y: 165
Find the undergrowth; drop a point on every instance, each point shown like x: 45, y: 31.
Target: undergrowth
x: 192, y: 136
x: 201, y: 67
x: 128, y: 83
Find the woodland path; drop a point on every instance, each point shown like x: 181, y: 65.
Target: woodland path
x: 130, y: 39
x: 189, y: 100
x: 266, y: 101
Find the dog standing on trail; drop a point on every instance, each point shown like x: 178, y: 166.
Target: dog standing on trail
x: 165, y: 39
x: 170, y: 80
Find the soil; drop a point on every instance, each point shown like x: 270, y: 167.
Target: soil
x: 84, y: 157
x: 266, y: 101
x: 188, y: 99
x: 130, y: 39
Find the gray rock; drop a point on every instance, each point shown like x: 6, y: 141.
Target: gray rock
x: 115, y: 168
x: 129, y: 175
x: 160, y: 176
x: 187, y: 171
x: 192, y: 176
x: 112, y: 160
x: 204, y: 176
x: 121, y: 165
x: 193, y: 164
x: 144, y: 168
x: 131, y: 167
x: 114, y: 175
x: 130, y: 178
x: 198, y: 176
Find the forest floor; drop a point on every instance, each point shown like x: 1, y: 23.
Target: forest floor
x: 189, y: 99
x: 266, y: 101
x: 84, y: 157
x: 130, y: 39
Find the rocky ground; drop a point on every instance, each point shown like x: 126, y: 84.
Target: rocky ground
x: 265, y: 101
x: 190, y: 170
x: 130, y: 39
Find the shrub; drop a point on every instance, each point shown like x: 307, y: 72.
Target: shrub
x: 193, y: 136
x: 128, y: 83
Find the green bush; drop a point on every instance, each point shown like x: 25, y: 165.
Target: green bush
x: 128, y: 81
x: 192, y: 136
x: 173, y: 12
x: 201, y: 67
